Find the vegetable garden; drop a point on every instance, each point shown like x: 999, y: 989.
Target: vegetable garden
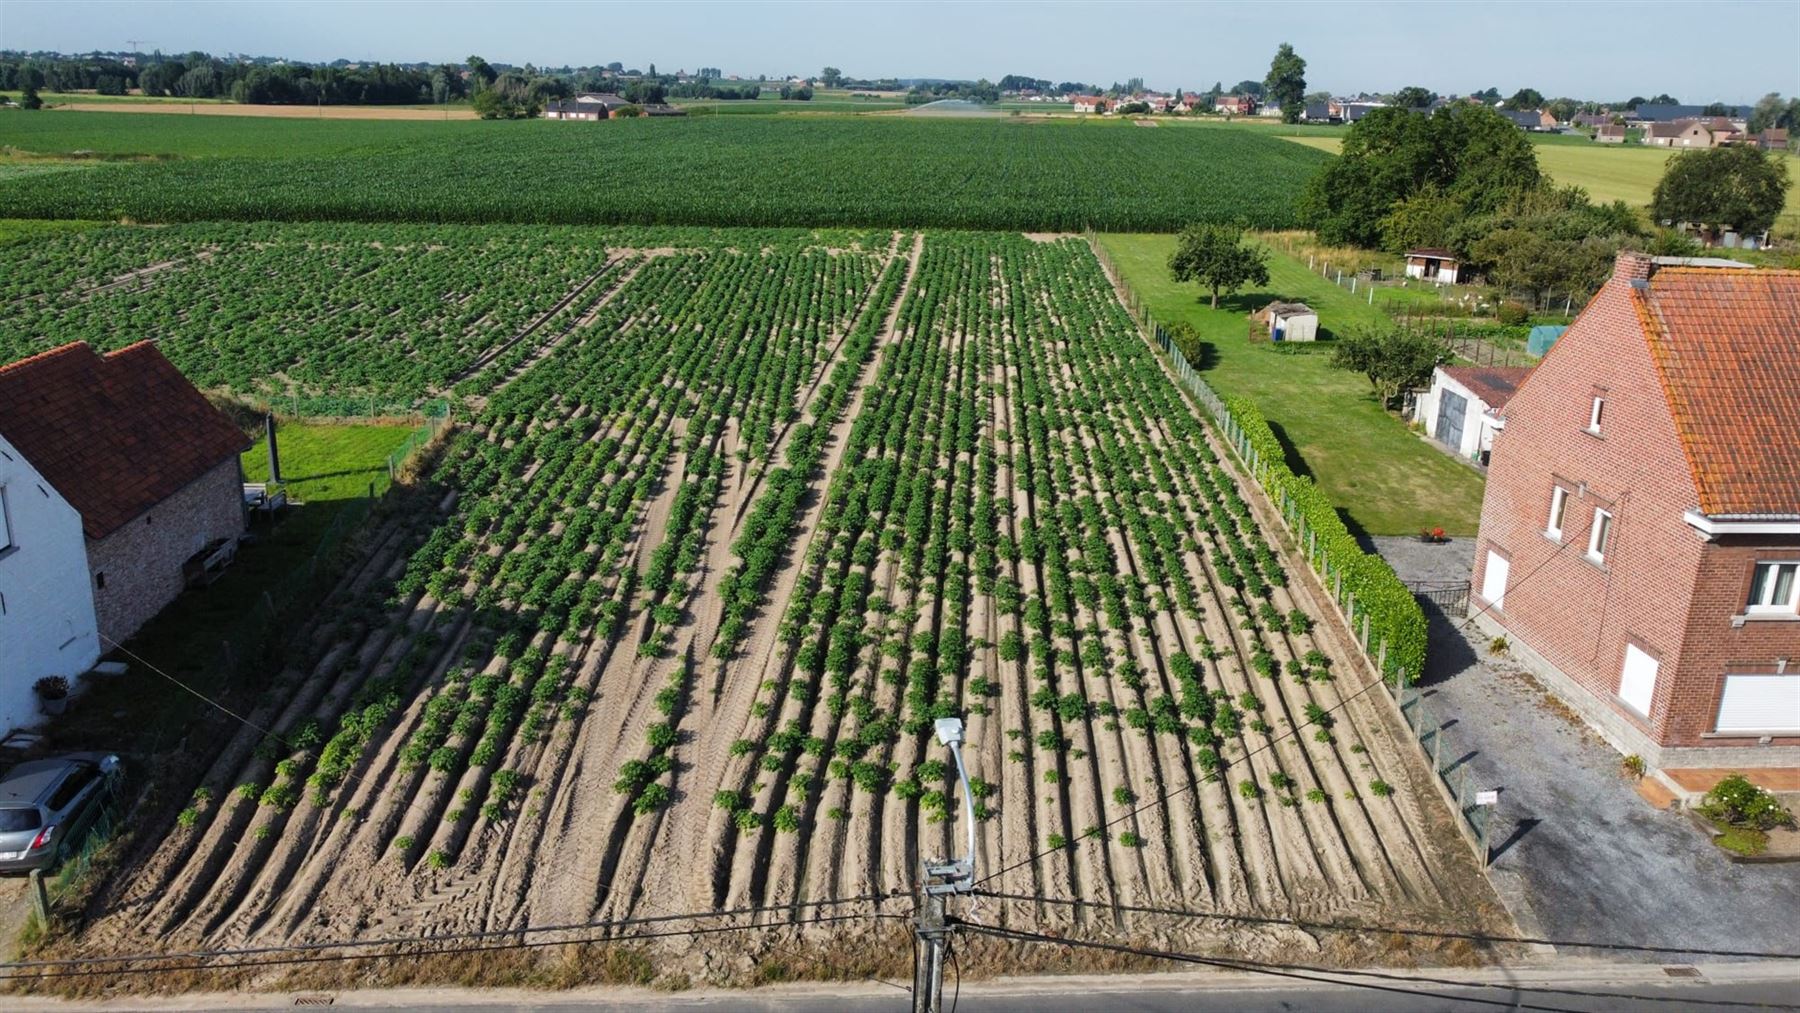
x: 705, y: 566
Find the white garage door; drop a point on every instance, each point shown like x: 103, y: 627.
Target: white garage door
x: 1637, y: 683
x: 1493, y: 579
x: 1760, y: 703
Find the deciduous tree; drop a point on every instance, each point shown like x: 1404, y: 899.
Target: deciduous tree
x: 1286, y: 83
x: 1738, y: 187
x: 1216, y: 257
x: 1394, y: 358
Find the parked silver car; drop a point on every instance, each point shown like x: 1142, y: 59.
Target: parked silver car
x: 46, y: 806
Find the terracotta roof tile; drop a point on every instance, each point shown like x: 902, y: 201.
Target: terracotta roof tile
x: 1724, y: 341
x: 115, y: 434
x: 1493, y: 384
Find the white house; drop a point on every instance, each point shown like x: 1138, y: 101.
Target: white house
x: 1434, y: 265
x: 1462, y: 410
x: 121, y: 485
x: 47, y: 624
x: 1290, y: 321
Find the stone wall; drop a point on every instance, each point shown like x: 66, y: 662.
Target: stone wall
x: 136, y: 570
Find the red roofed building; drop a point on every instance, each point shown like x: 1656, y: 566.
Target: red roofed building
x: 139, y: 456
x: 1640, y: 536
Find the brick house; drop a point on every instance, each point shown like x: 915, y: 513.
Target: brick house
x: 144, y: 460
x: 1236, y: 105
x: 1640, y: 534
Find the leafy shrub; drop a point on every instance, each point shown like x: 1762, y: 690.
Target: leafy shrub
x: 1735, y: 802
x: 1381, y: 788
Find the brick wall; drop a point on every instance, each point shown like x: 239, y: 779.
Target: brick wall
x: 1576, y: 614
x: 1715, y: 645
x: 141, y: 562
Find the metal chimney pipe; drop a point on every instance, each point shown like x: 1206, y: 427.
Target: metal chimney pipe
x: 274, y: 454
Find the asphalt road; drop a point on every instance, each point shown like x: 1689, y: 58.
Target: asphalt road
x: 1565, y: 986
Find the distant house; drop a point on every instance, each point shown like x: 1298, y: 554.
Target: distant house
x: 1462, y: 408
x: 1772, y: 139
x: 1609, y: 133
x: 1290, y: 321
x: 1592, y: 120
x: 1088, y: 103
x: 585, y: 106
x: 1706, y: 132
x: 1236, y: 105
x: 115, y: 476
x: 1433, y: 264
x: 1661, y: 135
x: 1662, y: 113
x: 1639, y: 544
x: 1350, y: 112
x: 1530, y: 119
x: 1321, y: 112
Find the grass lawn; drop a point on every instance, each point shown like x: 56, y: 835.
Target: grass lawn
x: 329, y: 470
x: 1384, y: 479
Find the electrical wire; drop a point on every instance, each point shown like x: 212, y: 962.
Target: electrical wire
x: 1310, y: 972
x: 1474, y: 937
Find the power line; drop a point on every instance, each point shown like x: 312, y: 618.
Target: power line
x: 1312, y: 972
x: 1474, y: 937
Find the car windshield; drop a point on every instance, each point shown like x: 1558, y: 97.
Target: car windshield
x: 15, y: 818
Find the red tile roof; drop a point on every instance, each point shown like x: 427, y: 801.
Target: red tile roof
x: 115, y: 434
x: 1492, y: 384
x: 1724, y: 341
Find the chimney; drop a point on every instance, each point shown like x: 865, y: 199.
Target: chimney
x: 274, y: 455
x: 1630, y: 266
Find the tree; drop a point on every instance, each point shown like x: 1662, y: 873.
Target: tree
x: 1664, y: 99
x: 1414, y: 97
x: 1738, y: 187
x: 30, y: 80
x: 647, y: 93
x: 1395, y: 358
x: 830, y: 77
x: 483, y: 75
x: 1526, y: 98
x: 1253, y: 88
x: 1718, y: 109
x: 1769, y: 112
x: 1467, y: 152
x: 1424, y: 219
x: 1217, y: 258
x: 1286, y: 83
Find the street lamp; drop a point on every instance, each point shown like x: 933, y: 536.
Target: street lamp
x: 956, y: 875
x: 942, y: 878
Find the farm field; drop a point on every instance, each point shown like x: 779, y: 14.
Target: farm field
x: 1384, y: 478
x: 702, y: 571
x: 778, y: 171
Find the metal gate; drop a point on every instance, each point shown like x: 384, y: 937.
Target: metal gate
x: 1451, y: 409
x: 1450, y: 597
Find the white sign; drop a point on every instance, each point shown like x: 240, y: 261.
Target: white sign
x: 1487, y: 797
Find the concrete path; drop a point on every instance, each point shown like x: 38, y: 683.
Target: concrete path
x: 1580, y: 855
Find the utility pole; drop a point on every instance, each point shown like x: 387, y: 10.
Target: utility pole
x: 941, y: 879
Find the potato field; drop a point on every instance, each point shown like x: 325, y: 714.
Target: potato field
x: 719, y: 540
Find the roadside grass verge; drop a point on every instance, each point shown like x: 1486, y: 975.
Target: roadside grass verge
x: 1382, y: 477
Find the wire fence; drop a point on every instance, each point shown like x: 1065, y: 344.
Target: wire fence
x: 1428, y: 732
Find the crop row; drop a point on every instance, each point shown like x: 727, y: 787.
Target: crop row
x: 723, y: 170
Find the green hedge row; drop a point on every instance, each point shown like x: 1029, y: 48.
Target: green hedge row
x: 1394, y: 614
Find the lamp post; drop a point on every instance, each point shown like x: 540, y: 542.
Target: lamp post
x: 942, y: 878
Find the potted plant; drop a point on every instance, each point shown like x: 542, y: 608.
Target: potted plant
x: 53, y: 694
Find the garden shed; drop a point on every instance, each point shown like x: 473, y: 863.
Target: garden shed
x: 1434, y: 265
x: 1291, y: 321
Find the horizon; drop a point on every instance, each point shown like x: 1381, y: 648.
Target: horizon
x: 1352, y: 53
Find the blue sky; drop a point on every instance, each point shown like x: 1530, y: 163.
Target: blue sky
x: 1587, y: 50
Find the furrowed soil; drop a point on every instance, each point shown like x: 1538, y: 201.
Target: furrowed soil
x: 716, y: 549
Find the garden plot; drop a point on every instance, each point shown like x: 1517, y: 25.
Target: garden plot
x: 709, y: 565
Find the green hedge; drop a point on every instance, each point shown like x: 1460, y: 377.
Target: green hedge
x: 1394, y: 614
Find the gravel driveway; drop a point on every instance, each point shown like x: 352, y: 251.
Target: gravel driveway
x: 1579, y: 855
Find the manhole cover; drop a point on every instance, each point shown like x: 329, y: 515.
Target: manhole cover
x: 1682, y: 972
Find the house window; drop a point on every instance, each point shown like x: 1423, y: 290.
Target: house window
x: 1594, y: 415
x: 1559, y: 505
x: 1774, y: 587
x: 6, y: 540
x: 1599, y: 536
